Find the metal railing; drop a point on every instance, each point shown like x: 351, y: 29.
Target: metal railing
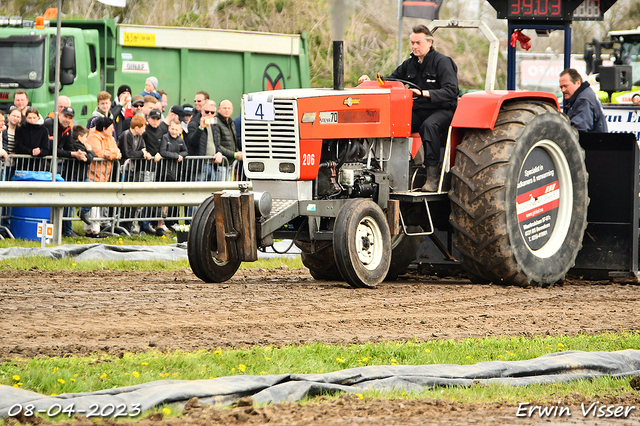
x: 136, y: 190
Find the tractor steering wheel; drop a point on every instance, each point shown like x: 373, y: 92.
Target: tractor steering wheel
x: 411, y: 85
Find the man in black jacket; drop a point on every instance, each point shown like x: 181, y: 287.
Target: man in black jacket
x: 581, y: 103
x: 436, y: 75
x: 203, y: 141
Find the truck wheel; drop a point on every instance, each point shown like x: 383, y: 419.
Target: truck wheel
x: 202, y: 247
x: 404, y: 250
x: 519, y: 197
x: 362, y: 243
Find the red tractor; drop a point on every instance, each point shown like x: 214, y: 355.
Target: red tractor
x: 337, y: 171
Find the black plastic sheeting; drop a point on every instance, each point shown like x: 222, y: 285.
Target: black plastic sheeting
x: 552, y: 368
x: 117, y: 252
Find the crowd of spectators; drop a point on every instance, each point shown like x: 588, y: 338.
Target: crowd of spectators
x: 141, y: 128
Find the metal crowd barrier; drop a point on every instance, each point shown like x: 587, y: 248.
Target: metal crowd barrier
x: 121, y: 219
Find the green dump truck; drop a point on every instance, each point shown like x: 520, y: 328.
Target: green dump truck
x: 101, y: 55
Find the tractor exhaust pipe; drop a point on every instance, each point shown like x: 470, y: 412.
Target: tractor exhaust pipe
x: 338, y: 64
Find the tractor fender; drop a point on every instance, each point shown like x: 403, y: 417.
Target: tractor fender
x: 479, y: 110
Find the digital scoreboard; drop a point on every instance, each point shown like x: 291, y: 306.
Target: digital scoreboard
x: 551, y: 10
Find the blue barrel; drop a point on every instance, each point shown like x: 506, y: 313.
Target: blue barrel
x: 25, y: 220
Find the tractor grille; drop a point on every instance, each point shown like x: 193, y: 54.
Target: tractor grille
x: 273, y: 140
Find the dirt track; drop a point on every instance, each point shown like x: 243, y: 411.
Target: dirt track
x: 57, y: 313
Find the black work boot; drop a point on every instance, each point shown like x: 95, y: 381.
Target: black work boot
x: 433, y: 177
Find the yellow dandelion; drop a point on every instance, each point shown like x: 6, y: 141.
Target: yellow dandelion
x: 126, y: 374
x: 500, y: 356
x: 211, y: 377
x: 54, y: 394
x: 145, y: 364
x: 359, y: 395
x: 242, y: 367
x: 268, y: 358
x: 262, y: 373
x: 55, y: 369
x: 61, y: 381
x: 75, y: 375
x: 166, y: 410
x: 218, y: 352
x: 16, y: 378
x: 17, y: 385
x: 103, y: 376
x: 135, y: 374
x: 427, y: 350
x: 165, y: 237
x: 166, y: 374
x: 340, y: 360
x: 233, y: 369
x: 560, y: 345
x: 393, y: 360
x: 176, y: 375
x: 468, y: 357
x: 365, y: 359
x: 73, y: 380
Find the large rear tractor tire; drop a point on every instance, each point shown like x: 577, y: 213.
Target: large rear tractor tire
x: 519, y: 197
x: 322, y: 263
x: 404, y: 250
x: 362, y: 243
x: 202, y: 247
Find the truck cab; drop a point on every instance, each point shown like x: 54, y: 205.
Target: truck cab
x: 28, y: 63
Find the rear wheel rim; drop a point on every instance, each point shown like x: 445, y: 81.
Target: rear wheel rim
x: 544, y: 199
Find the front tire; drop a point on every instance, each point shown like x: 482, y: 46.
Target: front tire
x: 202, y: 247
x: 362, y: 243
x: 519, y: 197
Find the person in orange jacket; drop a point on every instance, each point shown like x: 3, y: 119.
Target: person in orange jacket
x: 104, y: 147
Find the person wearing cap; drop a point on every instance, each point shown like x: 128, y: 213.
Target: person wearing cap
x: 188, y: 110
x: 153, y: 134
x: 65, y: 121
x: 437, y: 77
x: 175, y: 113
x: 137, y: 102
x: 121, y: 109
x: 150, y: 88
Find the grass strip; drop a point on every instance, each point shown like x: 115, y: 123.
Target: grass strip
x: 57, y: 375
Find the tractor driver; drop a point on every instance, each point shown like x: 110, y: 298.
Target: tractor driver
x: 581, y: 103
x: 436, y: 75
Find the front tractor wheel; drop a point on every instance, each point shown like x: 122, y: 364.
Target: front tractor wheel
x: 202, y: 247
x: 362, y: 243
x: 519, y: 197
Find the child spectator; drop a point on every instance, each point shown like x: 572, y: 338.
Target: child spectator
x: 173, y: 150
x: 150, y: 86
x: 77, y: 148
x: 132, y: 145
